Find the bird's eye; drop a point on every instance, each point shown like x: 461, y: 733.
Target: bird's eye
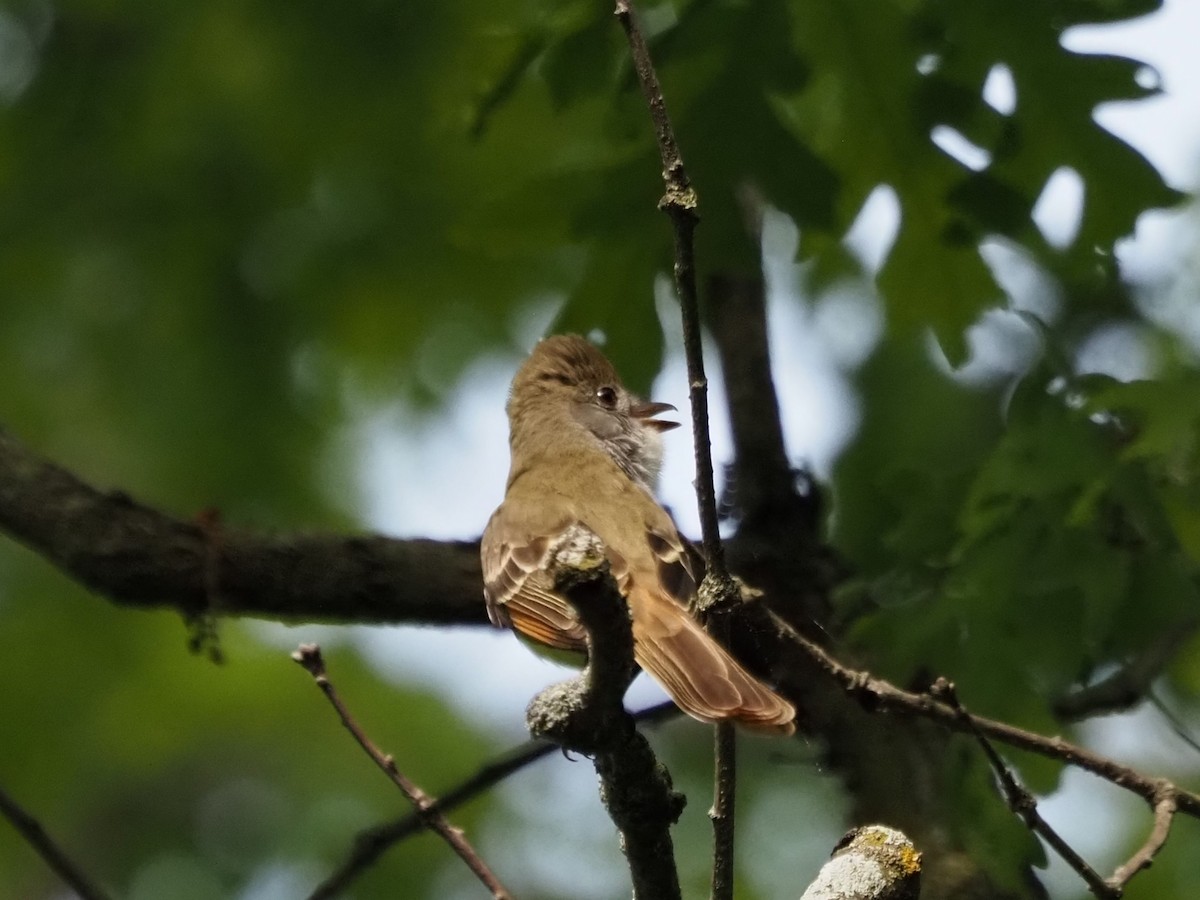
x: 607, y: 397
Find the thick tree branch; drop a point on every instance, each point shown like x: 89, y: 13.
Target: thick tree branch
x: 587, y: 714
x: 763, y: 477
x: 870, y: 863
x: 137, y: 556
x: 779, y: 524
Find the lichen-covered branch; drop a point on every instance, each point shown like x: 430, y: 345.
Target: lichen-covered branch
x: 48, y: 849
x: 587, y: 714
x: 870, y: 863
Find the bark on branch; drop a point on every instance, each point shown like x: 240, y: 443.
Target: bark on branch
x: 138, y: 556
x: 870, y: 863
x: 587, y: 714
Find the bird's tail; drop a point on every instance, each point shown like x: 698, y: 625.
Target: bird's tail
x: 697, y: 672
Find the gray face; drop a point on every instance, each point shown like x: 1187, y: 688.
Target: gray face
x: 625, y: 428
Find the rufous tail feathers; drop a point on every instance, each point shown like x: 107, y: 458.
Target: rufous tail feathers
x: 697, y: 672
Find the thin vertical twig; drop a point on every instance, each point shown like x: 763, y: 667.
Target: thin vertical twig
x: 722, y: 812
x: 679, y: 202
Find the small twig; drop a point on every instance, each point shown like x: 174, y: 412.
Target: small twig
x: 722, y: 813
x: 878, y: 695
x: 1165, y: 808
x: 1021, y: 802
x: 309, y: 656
x: 1173, y: 721
x: 679, y: 203
x: 371, y: 843
x: 35, y: 835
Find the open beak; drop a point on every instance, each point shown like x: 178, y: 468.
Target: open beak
x: 645, y: 411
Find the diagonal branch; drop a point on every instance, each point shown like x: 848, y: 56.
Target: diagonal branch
x: 309, y: 656
x: 371, y: 843
x: 1021, y: 802
x: 55, y: 857
x: 1164, y: 800
x: 1129, y: 684
x: 1166, y: 804
x: 880, y: 696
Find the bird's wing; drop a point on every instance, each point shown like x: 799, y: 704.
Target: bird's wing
x: 516, y: 587
x: 673, y: 563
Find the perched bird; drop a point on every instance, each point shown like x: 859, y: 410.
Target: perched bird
x: 585, y: 460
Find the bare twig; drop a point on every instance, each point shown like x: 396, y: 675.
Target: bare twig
x: 878, y: 695
x: 679, y: 202
x: 35, y: 835
x: 1164, y: 802
x: 370, y: 844
x: 1173, y: 721
x: 1165, y: 807
x: 1021, y: 802
x: 309, y: 656
x: 873, y: 862
x: 724, y: 822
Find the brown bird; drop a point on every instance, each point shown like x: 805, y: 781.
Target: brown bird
x: 585, y: 458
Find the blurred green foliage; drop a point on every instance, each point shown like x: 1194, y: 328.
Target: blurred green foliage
x: 219, y: 221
